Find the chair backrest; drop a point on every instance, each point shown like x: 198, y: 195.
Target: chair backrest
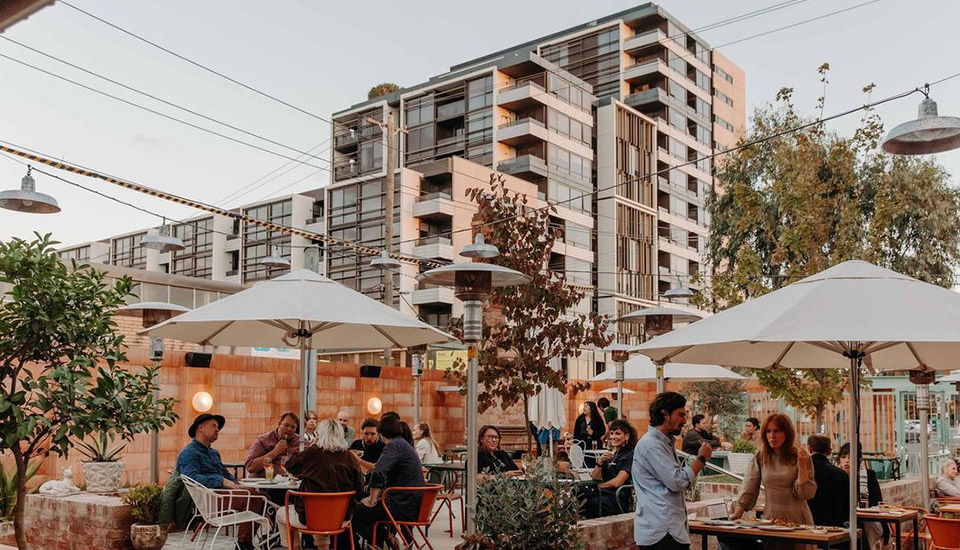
x: 428, y: 499
x: 576, y: 457
x: 204, y: 498
x: 944, y: 532
x: 323, y: 511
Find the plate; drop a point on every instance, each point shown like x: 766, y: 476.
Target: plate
x: 755, y: 522
x: 723, y: 522
x: 779, y: 528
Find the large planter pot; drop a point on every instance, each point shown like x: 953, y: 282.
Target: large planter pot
x: 148, y: 537
x: 739, y: 462
x: 102, y: 477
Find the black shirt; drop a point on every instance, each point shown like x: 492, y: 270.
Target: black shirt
x: 399, y: 466
x: 494, y: 463
x: 830, y: 505
x: 622, y: 462
x: 371, y: 453
x: 580, y: 431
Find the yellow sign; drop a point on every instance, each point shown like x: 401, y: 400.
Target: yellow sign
x: 445, y: 360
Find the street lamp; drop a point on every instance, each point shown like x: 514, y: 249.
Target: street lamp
x: 928, y: 133
x: 275, y: 259
x: 679, y: 291
x: 657, y: 321
x: 26, y: 199
x: 150, y: 314
x: 472, y: 283
x: 163, y: 241
x: 384, y: 261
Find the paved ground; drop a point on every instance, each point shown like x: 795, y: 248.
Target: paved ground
x: 439, y: 537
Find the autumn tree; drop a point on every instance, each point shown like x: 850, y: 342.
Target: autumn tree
x: 723, y: 400
x: 530, y: 325
x: 792, y: 205
x: 382, y: 89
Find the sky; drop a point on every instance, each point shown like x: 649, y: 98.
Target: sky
x: 322, y: 57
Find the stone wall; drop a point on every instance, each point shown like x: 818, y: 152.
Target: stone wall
x: 79, y: 522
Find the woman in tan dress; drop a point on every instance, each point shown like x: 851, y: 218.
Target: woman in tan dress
x: 786, y: 472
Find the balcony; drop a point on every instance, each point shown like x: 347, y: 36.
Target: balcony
x: 345, y: 142
x: 425, y: 295
x: 436, y: 247
x: 346, y: 170
x: 636, y: 43
x: 528, y: 167
x: 450, y: 110
x: 522, y: 95
x: 523, y: 132
x: 434, y: 206
x: 450, y: 145
x: 644, y: 70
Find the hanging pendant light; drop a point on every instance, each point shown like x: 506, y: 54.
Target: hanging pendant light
x: 384, y: 261
x: 275, y: 260
x: 479, y: 249
x: 928, y: 133
x: 679, y: 291
x: 163, y: 241
x: 26, y: 199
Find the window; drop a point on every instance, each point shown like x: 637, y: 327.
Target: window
x: 196, y: 259
x: 480, y: 93
x: 724, y: 124
x: 127, y: 252
x: 371, y: 156
x: 81, y: 254
x: 723, y: 74
x: 419, y: 111
x: 723, y: 97
x: 259, y: 243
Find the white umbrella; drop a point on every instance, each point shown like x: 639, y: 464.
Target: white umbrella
x: 642, y: 369
x: 952, y: 377
x: 830, y: 320
x: 304, y: 310
x: 547, y: 408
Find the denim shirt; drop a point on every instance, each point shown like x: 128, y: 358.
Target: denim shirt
x: 203, y: 465
x: 658, y: 482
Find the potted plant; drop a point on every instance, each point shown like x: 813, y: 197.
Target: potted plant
x: 144, y: 503
x: 740, y: 456
x: 102, y: 471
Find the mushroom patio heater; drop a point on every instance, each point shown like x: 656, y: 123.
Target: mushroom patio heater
x: 657, y: 321
x: 620, y: 353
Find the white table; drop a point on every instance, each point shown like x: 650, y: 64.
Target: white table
x: 262, y: 484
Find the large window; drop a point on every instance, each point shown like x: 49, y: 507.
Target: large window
x: 570, y: 164
x: 80, y: 254
x: 127, y: 252
x: 569, y: 127
x: 594, y: 57
x: 196, y: 259
x: 480, y: 93
x: 259, y: 242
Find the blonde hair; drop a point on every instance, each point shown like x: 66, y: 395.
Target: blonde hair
x: 425, y: 433
x: 330, y: 436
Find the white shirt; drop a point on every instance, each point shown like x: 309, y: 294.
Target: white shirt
x: 427, y: 452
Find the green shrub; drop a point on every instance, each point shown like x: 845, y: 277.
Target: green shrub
x: 742, y: 446
x: 8, y: 487
x: 144, y: 503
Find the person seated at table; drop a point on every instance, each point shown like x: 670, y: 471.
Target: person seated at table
x: 869, y: 492
x: 613, y: 471
x: 369, y: 447
x: 947, y: 484
x: 589, y: 426
x: 274, y: 446
x: 309, y: 433
x: 343, y: 417
x: 427, y: 449
x: 202, y: 463
x: 699, y: 434
x: 830, y: 505
x: 751, y: 432
x: 491, y: 459
x: 326, y: 466
x: 398, y: 466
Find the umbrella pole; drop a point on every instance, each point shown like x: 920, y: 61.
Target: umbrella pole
x: 854, y: 476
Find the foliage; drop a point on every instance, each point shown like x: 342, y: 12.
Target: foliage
x: 8, y: 487
x: 99, y: 450
x: 144, y: 502
x: 382, y: 89
x: 477, y: 541
x: 741, y: 446
x: 798, y: 203
x: 59, y: 352
x: 723, y: 400
x: 527, y: 326
x: 536, y: 514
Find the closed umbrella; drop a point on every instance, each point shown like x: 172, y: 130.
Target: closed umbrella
x: 829, y: 320
x: 547, y: 408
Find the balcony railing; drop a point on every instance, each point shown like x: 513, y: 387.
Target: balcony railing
x: 524, y: 120
x: 345, y: 139
x: 343, y: 171
x: 516, y: 85
x: 451, y: 109
x: 435, y: 196
x: 435, y: 239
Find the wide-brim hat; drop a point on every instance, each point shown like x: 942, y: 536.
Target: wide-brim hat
x: 192, y: 432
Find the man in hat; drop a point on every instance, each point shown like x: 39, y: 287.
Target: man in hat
x: 202, y: 463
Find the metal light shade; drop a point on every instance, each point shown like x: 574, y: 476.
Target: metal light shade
x: 26, y: 199
x: 929, y: 133
x: 678, y: 292
x: 479, y: 249
x: 385, y: 261
x: 274, y: 260
x: 163, y: 241
x: 152, y: 312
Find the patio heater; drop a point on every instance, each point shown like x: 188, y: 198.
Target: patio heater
x: 417, y: 359
x: 923, y: 379
x: 620, y: 353
x: 657, y: 321
x: 472, y: 283
x: 27, y: 199
x: 928, y: 133
x: 150, y: 314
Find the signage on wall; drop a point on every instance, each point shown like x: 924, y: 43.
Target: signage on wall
x: 276, y: 353
x: 446, y: 359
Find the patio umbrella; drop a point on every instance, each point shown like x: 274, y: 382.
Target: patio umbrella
x: 302, y: 310
x: 642, y: 369
x: 547, y: 408
x: 829, y: 320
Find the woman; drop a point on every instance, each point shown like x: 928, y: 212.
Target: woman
x: 427, y: 448
x: 786, y: 472
x: 491, y: 459
x: 310, y: 423
x: 326, y: 466
x: 589, y: 426
x: 613, y: 471
x: 869, y: 491
x: 947, y: 484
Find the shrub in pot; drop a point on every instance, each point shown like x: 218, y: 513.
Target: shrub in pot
x: 740, y: 456
x: 102, y: 471
x: 144, y: 503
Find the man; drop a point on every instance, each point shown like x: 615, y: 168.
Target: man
x: 659, y: 480
x: 273, y: 446
x: 369, y: 444
x: 698, y: 435
x: 609, y: 413
x: 751, y: 432
x: 947, y: 484
x: 830, y: 505
x: 201, y: 462
x: 343, y: 417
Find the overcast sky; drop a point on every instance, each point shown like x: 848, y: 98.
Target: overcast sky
x: 323, y: 56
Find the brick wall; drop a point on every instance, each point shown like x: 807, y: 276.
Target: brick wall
x: 79, y: 522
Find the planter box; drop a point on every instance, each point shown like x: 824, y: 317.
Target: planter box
x: 739, y: 462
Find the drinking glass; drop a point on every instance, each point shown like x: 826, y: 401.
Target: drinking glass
x: 268, y: 471
x: 728, y: 505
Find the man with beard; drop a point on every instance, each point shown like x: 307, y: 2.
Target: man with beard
x: 659, y: 479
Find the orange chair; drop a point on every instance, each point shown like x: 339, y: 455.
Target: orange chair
x: 944, y: 533
x: 326, y: 514
x: 428, y: 499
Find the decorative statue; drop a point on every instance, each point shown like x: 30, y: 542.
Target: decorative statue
x: 60, y: 487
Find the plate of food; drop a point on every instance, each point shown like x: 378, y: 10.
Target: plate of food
x: 755, y: 522
x: 778, y: 528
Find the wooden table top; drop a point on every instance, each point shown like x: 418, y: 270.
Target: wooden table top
x: 950, y: 508
x: 894, y: 514
x: 803, y: 533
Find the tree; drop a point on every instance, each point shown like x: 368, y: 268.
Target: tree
x: 798, y: 203
x: 723, y: 400
x: 532, y: 324
x: 382, y: 89
x: 59, y: 354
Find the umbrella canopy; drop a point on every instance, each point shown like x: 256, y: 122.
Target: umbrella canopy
x: 642, y: 369
x: 271, y: 314
x: 952, y: 377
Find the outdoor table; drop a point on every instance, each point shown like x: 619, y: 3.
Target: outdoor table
x: 239, y: 469
x: 953, y: 509
x: 895, y: 517
x: 448, y: 473
x: 261, y: 484
x: 835, y: 536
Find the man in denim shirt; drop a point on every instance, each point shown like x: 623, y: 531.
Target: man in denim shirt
x: 202, y: 463
x: 659, y: 480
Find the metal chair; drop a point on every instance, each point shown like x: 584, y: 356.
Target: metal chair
x: 214, y: 507
x: 428, y: 498
x: 326, y: 514
x: 447, y: 497
x: 625, y: 493
x: 577, y: 459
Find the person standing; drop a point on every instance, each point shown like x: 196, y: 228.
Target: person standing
x: 610, y: 413
x: 830, y: 505
x: 589, y: 426
x: 659, y: 479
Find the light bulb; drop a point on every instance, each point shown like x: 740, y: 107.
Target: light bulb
x: 202, y: 401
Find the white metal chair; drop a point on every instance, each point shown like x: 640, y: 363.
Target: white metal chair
x: 213, y: 505
x: 576, y: 457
